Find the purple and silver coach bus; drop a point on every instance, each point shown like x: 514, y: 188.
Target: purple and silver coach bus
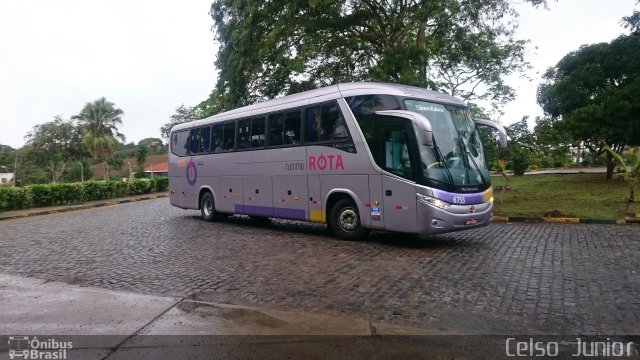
x: 357, y: 156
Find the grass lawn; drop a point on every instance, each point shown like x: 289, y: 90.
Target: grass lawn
x: 558, y: 195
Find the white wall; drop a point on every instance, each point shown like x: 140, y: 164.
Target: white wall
x: 6, y: 177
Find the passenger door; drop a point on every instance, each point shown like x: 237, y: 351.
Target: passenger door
x: 399, y: 193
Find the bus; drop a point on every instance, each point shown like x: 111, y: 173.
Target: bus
x: 355, y: 156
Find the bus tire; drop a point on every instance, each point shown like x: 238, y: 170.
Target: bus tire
x: 345, y: 221
x: 207, y: 207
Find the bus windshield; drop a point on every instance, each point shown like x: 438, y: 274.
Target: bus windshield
x: 457, y: 156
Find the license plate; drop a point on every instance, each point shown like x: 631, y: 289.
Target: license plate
x: 471, y: 222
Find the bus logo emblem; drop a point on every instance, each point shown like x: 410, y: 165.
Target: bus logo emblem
x: 192, y: 173
x: 472, y: 209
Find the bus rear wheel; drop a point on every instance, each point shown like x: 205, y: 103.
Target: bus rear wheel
x: 345, y: 221
x: 207, y: 207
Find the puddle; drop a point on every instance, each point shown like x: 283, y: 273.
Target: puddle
x: 242, y: 317
x: 252, y: 317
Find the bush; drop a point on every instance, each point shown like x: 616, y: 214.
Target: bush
x: 120, y: 188
x: 66, y: 193
x: 4, y: 194
x: 161, y: 183
x: 140, y: 175
x: 41, y: 195
x: 13, y: 198
x: 140, y: 186
x: 94, y: 190
x: 520, y: 161
x: 548, y: 162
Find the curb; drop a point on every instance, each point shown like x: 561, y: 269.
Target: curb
x: 44, y: 211
x: 563, y: 220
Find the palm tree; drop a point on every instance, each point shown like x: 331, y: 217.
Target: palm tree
x: 100, y: 120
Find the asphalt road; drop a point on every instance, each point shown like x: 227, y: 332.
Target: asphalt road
x: 503, y: 279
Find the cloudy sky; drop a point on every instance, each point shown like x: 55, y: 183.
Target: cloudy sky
x: 148, y: 57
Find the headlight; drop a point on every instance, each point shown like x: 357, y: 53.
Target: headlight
x: 490, y: 200
x: 432, y: 201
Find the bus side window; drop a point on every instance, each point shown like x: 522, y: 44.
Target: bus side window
x: 276, y: 129
x: 293, y: 123
x: 194, y: 141
x: 257, y: 132
x: 199, y: 140
x: 217, y: 135
x: 325, y: 122
x: 180, y: 143
x: 364, y: 105
x: 336, y: 124
x: 205, y: 139
x: 396, y: 150
x: 314, y: 130
x: 243, y: 133
x: 229, y: 135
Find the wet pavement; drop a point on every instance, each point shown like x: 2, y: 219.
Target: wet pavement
x: 76, y: 322
x: 503, y: 279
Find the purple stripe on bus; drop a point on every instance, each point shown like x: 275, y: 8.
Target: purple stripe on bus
x: 469, y: 199
x: 254, y: 210
x: 294, y: 214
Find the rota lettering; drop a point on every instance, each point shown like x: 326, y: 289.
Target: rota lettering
x: 328, y: 162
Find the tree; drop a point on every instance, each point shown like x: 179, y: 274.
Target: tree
x: 281, y: 47
x: 183, y: 114
x: 116, y: 161
x: 630, y: 176
x: 552, y: 142
x: 209, y: 107
x: 141, y: 155
x: 632, y: 22
x: 521, y: 146
x: 154, y: 146
x: 53, y: 145
x: 99, y: 120
x: 7, y: 157
x: 79, y: 170
x: 593, y: 94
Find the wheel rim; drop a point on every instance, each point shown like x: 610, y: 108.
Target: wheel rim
x: 207, y: 207
x: 348, y: 219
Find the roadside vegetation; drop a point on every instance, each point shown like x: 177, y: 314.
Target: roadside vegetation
x: 14, y: 198
x: 589, y: 196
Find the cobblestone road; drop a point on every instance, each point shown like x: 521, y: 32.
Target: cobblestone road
x: 506, y: 278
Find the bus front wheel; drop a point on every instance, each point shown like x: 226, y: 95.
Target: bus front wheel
x: 345, y: 221
x: 207, y: 207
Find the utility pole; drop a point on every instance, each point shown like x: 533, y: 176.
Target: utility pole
x: 81, y: 172
x: 15, y: 170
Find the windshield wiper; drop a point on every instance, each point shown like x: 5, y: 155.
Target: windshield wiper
x: 444, y: 163
x: 468, y: 155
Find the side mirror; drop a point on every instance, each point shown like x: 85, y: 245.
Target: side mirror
x: 421, y: 122
x: 502, y: 132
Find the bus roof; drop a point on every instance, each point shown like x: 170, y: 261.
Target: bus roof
x: 327, y: 93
